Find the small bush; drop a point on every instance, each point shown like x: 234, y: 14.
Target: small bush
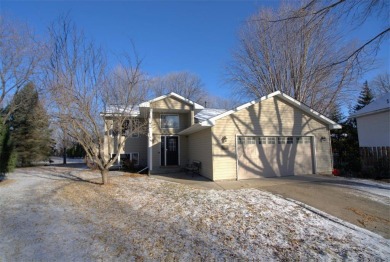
x: 128, y: 165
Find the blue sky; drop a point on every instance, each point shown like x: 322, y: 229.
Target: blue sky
x: 195, y: 36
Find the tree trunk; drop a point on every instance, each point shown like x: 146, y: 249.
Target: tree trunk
x: 64, y: 156
x: 105, y: 179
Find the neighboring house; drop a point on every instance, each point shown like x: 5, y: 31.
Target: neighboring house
x: 273, y: 136
x: 373, y: 125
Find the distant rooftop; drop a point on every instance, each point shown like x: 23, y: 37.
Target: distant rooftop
x: 378, y: 105
x: 115, y: 109
x: 208, y: 113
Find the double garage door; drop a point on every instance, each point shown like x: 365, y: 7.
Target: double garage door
x: 272, y: 156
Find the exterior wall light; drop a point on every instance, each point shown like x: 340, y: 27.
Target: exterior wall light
x: 224, y: 139
x: 323, y: 139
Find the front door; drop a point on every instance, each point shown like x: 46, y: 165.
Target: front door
x: 169, y: 150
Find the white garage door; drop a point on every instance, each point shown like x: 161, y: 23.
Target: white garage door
x: 271, y: 156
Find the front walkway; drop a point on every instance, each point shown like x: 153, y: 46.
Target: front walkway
x: 364, y: 203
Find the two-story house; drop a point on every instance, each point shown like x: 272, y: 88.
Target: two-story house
x: 273, y: 136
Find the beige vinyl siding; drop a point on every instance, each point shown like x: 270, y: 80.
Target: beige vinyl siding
x: 183, y: 154
x: 271, y: 117
x: 171, y: 103
x: 199, y: 145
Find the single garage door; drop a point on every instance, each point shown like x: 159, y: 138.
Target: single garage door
x: 272, y: 156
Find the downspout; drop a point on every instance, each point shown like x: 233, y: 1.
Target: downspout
x: 150, y: 140
x: 314, y: 150
x: 331, y: 151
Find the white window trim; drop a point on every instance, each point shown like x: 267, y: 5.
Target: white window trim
x: 131, y: 157
x: 135, y: 134
x: 130, y: 128
x: 118, y: 161
x: 166, y: 128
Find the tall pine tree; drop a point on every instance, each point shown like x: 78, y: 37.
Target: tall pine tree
x: 7, y: 152
x: 29, y: 125
x: 366, y: 96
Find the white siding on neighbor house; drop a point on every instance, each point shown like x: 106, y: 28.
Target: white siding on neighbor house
x: 271, y: 117
x: 374, y: 130
x: 199, y: 148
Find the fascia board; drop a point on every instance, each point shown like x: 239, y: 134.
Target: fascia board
x: 369, y: 113
x: 303, y: 107
x: 147, y: 103
x: 308, y: 110
x: 213, y: 119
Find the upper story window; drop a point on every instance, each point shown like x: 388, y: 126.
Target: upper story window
x: 170, y: 121
x: 125, y: 127
x: 130, y: 127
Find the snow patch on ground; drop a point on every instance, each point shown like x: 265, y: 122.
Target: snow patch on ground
x: 376, y: 191
x: 51, y: 214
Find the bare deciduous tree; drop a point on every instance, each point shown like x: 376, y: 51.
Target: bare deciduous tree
x: 381, y: 84
x: 221, y: 103
x: 92, y: 105
x: 291, y: 56
x: 353, y: 12
x: 20, y: 55
x: 185, y: 84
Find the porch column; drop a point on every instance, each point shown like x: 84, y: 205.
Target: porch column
x: 150, y: 140
x: 192, y: 120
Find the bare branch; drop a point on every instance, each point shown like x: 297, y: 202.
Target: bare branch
x: 88, y: 97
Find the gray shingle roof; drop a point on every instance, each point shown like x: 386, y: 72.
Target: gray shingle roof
x: 208, y: 113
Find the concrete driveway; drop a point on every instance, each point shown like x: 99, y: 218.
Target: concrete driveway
x: 364, y: 203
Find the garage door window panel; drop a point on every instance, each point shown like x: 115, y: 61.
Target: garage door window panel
x: 271, y: 140
x: 241, y: 140
x: 250, y: 140
x: 262, y: 140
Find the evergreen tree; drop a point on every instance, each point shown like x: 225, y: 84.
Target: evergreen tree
x: 29, y: 125
x: 366, y: 96
x: 7, y: 152
x: 345, y: 143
